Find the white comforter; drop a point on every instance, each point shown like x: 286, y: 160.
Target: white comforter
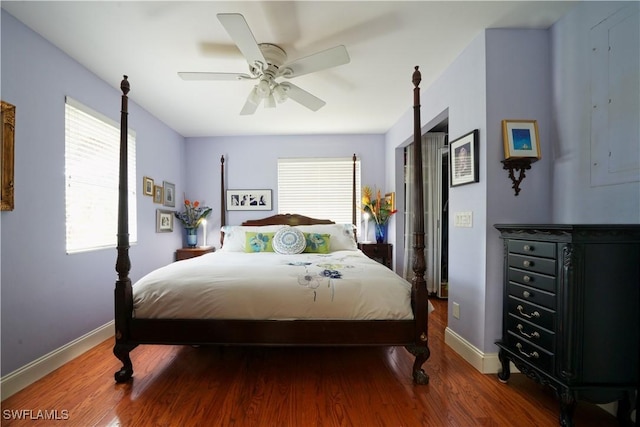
x: 234, y: 285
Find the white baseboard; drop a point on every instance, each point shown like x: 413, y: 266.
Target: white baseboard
x: 487, y: 363
x: 32, y: 372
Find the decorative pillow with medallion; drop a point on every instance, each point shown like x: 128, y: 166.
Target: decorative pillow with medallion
x: 289, y: 241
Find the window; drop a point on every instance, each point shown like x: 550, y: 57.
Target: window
x: 319, y: 188
x: 92, y: 151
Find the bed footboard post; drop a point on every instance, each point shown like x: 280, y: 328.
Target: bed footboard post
x: 420, y: 348
x: 123, y: 294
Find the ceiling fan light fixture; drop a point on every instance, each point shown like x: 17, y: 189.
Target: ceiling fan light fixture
x: 280, y: 93
x: 270, y: 102
x: 254, y: 98
x: 263, y: 88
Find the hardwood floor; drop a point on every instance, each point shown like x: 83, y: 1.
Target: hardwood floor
x: 238, y: 386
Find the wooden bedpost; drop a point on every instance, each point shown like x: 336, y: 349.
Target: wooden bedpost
x: 354, y: 205
x: 223, y: 200
x: 123, y: 292
x: 419, y: 288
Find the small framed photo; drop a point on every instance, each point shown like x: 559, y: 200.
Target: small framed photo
x: 168, y: 194
x: 164, y: 221
x: 157, y: 194
x: 464, y: 162
x: 147, y: 186
x: 391, y: 199
x: 520, y: 139
x: 249, y: 200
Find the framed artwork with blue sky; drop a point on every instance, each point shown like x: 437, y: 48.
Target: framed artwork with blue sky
x: 521, y: 139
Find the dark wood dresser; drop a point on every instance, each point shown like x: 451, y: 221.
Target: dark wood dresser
x: 571, y: 311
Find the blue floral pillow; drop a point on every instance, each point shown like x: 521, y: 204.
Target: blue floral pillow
x: 259, y: 242
x: 317, y: 243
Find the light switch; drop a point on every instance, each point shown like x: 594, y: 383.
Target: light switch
x: 463, y: 219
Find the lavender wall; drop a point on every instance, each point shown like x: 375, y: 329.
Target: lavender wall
x: 575, y: 199
x: 251, y: 162
x: 50, y: 298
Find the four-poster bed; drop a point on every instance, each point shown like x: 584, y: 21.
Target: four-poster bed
x: 133, y: 328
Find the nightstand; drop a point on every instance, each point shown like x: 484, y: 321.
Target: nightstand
x: 381, y: 252
x: 186, y: 253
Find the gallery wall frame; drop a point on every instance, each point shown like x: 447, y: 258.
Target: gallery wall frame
x: 464, y: 160
x: 164, y: 221
x: 147, y: 186
x: 158, y: 194
x: 249, y: 200
x: 168, y: 194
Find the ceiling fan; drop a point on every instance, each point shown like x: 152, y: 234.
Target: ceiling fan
x: 267, y: 63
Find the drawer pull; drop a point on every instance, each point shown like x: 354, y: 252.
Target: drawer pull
x: 535, y: 314
x: 526, y: 294
x: 533, y: 354
x: 526, y: 279
x: 528, y: 248
x: 527, y: 263
x: 535, y: 334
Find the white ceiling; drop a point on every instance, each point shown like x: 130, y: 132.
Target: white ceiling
x: 152, y: 41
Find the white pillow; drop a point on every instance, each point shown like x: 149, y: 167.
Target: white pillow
x: 289, y: 241
x: 342, y: 235
x: 235, y: 239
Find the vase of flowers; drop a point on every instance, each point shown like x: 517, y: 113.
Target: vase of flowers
x: 380, y: 210
x: 191, y: 218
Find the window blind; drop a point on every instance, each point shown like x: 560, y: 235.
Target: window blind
x: 92, y: 151
x: 318, y: 187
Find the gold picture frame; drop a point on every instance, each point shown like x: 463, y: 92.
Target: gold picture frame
x: 7, y: 156
x: 158, y: 194
x: 521, y: 139
x: 391, y: 198
x: 147, y: 186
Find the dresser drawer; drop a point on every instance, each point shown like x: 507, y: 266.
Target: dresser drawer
x: 531, y: 332
x: 535, y: 280
x: 536, y: 314
x: 531, y: 353
x: 527, y: 247
x: 531, y: 263
x: 533, y: 295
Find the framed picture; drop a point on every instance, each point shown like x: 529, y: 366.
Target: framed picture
x: 168, y: 194
x: 520, y: 139
x: 164, y: 221
x: 249, y: 200
x: 147, y: 186
x: 391, y: 198
x: 157, y: 194
x: 464, y: 163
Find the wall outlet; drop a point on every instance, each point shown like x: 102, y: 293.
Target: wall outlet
x: 456, y: 310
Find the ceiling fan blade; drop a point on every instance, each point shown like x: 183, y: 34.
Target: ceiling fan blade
x: 303, y: 97
x: 241, y: 34
x: 250, y: 105
x: 318, y: 61
x: 213, y: 76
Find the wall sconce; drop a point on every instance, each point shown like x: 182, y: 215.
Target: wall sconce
x: 521, y: 148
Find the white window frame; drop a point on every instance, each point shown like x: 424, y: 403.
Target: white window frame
x: 92, y: 153
x: 319, y: 187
